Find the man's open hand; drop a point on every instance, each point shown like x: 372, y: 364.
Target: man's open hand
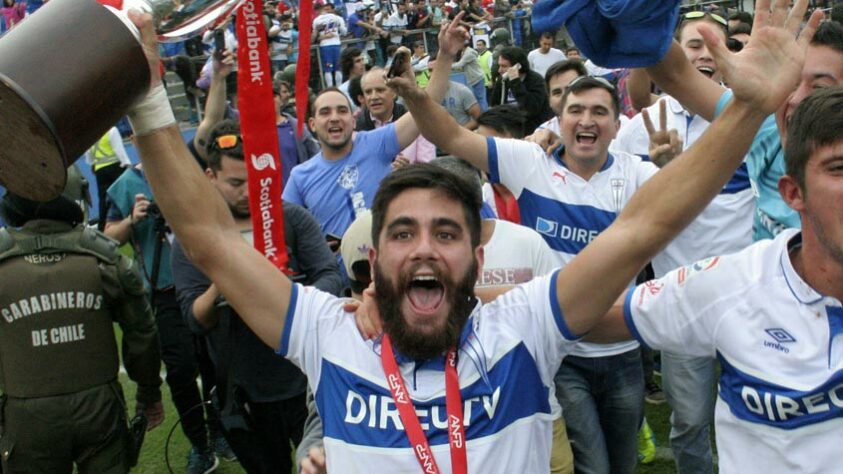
x: 767, y: 70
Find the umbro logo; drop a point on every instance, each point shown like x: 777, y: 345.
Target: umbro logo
x: 781, y: 337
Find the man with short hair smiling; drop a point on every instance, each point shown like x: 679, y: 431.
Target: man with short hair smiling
x: 498, y: 359
x: 557, y: 78
x: 545, y: 55
x: 339, y: 183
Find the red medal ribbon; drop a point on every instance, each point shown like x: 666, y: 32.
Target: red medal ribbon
x: 303, y: 63
x: 260, y: 139
x: 453, y: 405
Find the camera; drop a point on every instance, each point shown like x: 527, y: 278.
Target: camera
x: 154, y: 211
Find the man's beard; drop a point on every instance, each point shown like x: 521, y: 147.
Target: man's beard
x: 325, y: 143
x: 238, y: 214
x: 421, y: 345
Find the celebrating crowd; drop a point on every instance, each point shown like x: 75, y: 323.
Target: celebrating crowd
x: 490, y: 238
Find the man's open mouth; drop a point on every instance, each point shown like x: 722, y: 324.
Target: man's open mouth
x: 586, y: 138
x: 425, y: 293
x: 707, y: 70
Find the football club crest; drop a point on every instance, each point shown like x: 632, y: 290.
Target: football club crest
x: 617, y: 193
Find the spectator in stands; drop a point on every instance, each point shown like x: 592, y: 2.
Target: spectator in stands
x: 397, y: 23
x: 476, y: 13
x: 419, y: 16
x: 521, y: 86
x: 328, y: 27
x: 437, y: 12
x: 545, y: 55
x: 459, y: 102
x: 519, y: 11
x: 13, y: 12
x: 283, y: 40
x: 474, y: 77
x: 361, y: 24
x: 353, y: 63
x: 557, y: 78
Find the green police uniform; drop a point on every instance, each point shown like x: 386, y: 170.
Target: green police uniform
x: 63, y: 288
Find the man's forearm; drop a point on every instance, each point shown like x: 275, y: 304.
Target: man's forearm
x: 675, y: 75
x: 120, y: 230
x: 204, y: 308
x: 440, y: 78
x: 441, y: 129
x: 657, y: 212
x: 214, y: 112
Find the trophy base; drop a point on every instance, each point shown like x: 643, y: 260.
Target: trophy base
x: 32, y: 161
x: 68, y: 73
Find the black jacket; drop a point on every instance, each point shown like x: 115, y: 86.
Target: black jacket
x: 365, y: 122
x: 531, y: 95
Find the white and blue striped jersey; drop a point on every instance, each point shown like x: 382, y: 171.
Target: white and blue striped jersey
x: 780, y: 397
x: 567, y: 210
x: 509, y: 352
x: 725, y: 225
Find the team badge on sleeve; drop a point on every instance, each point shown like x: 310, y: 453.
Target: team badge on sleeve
x: 688, y: 271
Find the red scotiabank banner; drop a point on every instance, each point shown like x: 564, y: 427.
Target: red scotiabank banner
x: 260, y: 139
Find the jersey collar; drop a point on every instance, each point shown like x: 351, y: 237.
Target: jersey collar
x: 557, y: 155
x: 800, y: 289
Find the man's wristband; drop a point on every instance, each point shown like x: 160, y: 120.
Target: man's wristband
x: 152, y: 113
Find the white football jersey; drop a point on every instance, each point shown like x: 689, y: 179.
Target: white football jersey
x: 725, y: 225
x: 780, y: 397
x: 567, y: 210
x: 509, y: 352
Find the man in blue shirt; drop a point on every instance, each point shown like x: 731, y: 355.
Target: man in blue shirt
x: 340, y: 182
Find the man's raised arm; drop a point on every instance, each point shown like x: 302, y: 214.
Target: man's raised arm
x: 451, y: 38
x: 198, y: 215
x: 762, y: 77
x: 430, y: 118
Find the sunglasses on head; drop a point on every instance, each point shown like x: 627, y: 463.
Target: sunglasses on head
x: 226, y: 142
x: 698, y: 14
x: 600, y: 80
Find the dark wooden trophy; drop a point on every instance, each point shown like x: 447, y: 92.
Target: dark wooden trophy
x: 68, y: 73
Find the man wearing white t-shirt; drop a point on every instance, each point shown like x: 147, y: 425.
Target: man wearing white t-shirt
x: 328, y: 27
x: 397, y: 24
x: 426, y: 247
x: 771, y: 314
x: 545, y: 55
x: 724, y: 227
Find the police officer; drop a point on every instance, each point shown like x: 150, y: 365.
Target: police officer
x: 64, y: 286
